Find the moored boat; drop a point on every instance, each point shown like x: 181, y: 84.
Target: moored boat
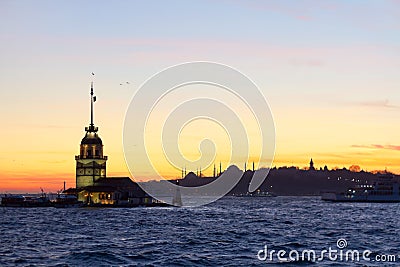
x: 33, y: 200
x: 9, y: 200
x: 38, y: 201
x: 67, y: 201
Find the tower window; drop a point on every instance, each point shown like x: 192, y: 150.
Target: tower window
x: 89, y: 153
x: 96, y: 152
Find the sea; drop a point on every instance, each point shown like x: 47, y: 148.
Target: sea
x: 233, y: 231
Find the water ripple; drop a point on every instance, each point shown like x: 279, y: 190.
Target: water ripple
x: 229, y: 232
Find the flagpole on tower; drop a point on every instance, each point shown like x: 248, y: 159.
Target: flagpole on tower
x: 92, y: 100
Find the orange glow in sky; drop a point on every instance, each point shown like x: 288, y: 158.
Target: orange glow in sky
x: 331, y: 81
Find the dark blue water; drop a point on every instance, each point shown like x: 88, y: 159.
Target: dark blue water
x: 229, y: 232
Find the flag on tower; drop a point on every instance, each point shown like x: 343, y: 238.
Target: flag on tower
x: 94, y: 99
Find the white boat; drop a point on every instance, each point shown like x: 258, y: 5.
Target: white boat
x: 380, y: 191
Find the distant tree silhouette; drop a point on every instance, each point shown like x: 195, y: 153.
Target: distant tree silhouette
x: 355, y: 168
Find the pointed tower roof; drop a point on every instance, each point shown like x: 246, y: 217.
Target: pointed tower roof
x: 91, y: 136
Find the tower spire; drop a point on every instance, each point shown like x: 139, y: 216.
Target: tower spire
x: 91, y: 104
x: 91, y: 127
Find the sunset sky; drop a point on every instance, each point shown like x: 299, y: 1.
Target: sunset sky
x: 330, y: 71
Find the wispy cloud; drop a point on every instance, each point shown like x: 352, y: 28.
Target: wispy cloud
x: 42, y: 126
x: 298, y: 11
x: 312, y: 11
x: 53, y: 161
x: 378, y: 104
x: 377, y: 146
x: 306, y: 62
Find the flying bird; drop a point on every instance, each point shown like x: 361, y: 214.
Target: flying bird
x: 127, y: 82
x: 92, y: 73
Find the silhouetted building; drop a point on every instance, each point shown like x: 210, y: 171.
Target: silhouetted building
x: 312, y: 168
x: 92, y: 184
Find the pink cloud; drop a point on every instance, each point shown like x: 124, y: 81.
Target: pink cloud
x: 298, y: 12
x: 307, y: 62
x: 338, y: 59
x: 377, y: 146
x: 378, y: 104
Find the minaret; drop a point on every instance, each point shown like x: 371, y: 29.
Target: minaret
x: 90, y: 164
x: 312, y: 165
x: 214, y: 171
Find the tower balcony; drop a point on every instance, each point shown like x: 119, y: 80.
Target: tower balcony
x: 90, y: 157
x: 91, y: 129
